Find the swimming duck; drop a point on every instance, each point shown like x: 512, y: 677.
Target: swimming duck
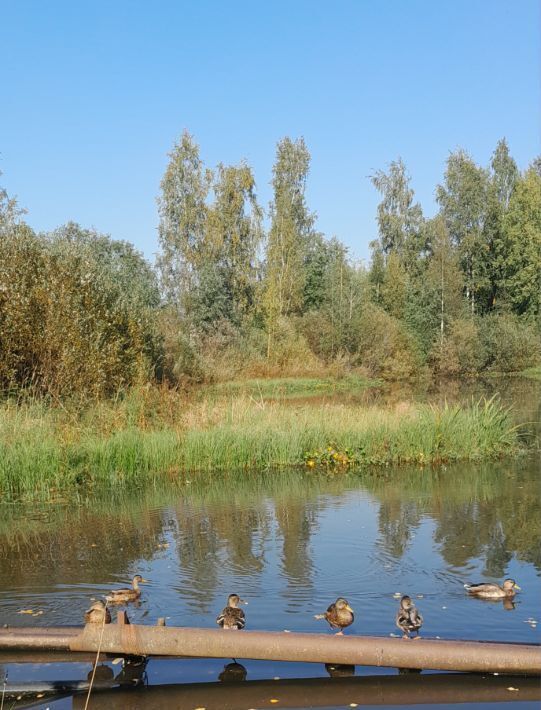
x: 493, y: 591
x: 119, y: 596
x: 408, y: 618
x: 339, y: 615
x: 98, y: 614
x: 231, y: 617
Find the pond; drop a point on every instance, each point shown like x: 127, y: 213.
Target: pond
x: 289, y: 543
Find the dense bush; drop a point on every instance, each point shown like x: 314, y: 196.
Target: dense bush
x: 76, y: 313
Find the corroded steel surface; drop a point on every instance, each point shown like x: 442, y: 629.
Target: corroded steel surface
x: 424, y: 653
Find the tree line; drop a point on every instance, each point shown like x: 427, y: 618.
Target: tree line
x: 234, y: 294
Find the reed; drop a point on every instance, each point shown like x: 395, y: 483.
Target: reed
x: 46, y: 452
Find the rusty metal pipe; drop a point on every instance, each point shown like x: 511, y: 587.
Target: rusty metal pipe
x: 476, y: 656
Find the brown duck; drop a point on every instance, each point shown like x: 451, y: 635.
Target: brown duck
x: 231, y: 617
x: 127, y: 594
x: 493, y: 591
x: 408, y: 618
x: 98, y: 613
x: 339, y: 615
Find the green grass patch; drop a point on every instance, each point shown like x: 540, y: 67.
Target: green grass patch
x: 291, y: 387
x: 47, y: 453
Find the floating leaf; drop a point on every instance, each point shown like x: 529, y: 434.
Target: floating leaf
x: 26, y: 611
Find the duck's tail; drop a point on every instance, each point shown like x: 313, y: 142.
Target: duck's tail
x: 319, y: 616
x: 467, y: 586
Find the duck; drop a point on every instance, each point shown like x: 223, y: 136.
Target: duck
x: 490, y: 590
x: 120, y: 596
x: 339, y: 615
x: 98, y: 613
x: 408, y: 618
x: 231, y: 617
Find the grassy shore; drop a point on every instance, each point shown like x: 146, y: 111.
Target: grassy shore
x: 153, y: 435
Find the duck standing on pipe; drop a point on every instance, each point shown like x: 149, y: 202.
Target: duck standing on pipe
x: 408, y: 618
x: 339, y: 615
x: 231, y: 617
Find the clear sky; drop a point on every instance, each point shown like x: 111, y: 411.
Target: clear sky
x: 93, y: 95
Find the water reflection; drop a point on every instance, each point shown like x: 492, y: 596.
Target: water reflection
x: 288, y: 542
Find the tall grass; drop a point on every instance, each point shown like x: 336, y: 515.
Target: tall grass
x: 152, y: 436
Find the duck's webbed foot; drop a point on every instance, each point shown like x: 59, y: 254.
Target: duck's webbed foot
x: 339, y: 633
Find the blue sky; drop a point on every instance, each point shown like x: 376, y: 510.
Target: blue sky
x: 94, y: 94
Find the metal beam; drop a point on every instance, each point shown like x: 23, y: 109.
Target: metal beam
x: 132, y: 639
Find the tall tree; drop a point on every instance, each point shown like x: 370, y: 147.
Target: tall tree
x: 463, y: 204
x: 502, y: 179
x: 443, y: 275
x: 399, y: 217
x: 183, y: 214
x: 522, y: 229
x: 234, y: 233
x: 291, y: 228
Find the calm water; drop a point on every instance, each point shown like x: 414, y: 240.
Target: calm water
x: 289, y: 543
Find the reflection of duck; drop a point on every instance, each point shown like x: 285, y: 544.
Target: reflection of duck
x: 408, y: 618
x: 231, y: 617
x: 339, y: 670
x: 233, y: 673
x: 98, y: 613
x: 493, y: 591
x: 127, y: 594
x: 339, y: 615
x: 508, y: 604
x: 102, y: 673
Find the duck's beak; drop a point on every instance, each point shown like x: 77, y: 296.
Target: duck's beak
x: 349, y: 608
x: 516, y: 586
x: 145, y: 581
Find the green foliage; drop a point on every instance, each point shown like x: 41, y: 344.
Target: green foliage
x: 511, y: 343
x: 399, y: 218
x: 463, y: 201
x: 462, y: 351
x: 76, y: 313
x: 289, y: 236
x: 522, y: 230
x: 386, y: 348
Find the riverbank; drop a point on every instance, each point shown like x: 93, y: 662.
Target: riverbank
x: 47, y: 452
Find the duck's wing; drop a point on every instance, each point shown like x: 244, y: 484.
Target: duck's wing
x: 220, y: 619
x: 231, y: 616
x: 416, y: 618
x: 487, y: 588
x: 239, y: 617
x: 402, y: 619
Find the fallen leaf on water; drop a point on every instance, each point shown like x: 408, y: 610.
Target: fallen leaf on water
x: 37, y: 613
x: 274, y: 700
x: 276, y: 677
x: 513, y: 690
x: 26, y: 611
x: 40, y: 695
x: 93, y: 544
x: 353, y: 705
x: 200, y: 708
